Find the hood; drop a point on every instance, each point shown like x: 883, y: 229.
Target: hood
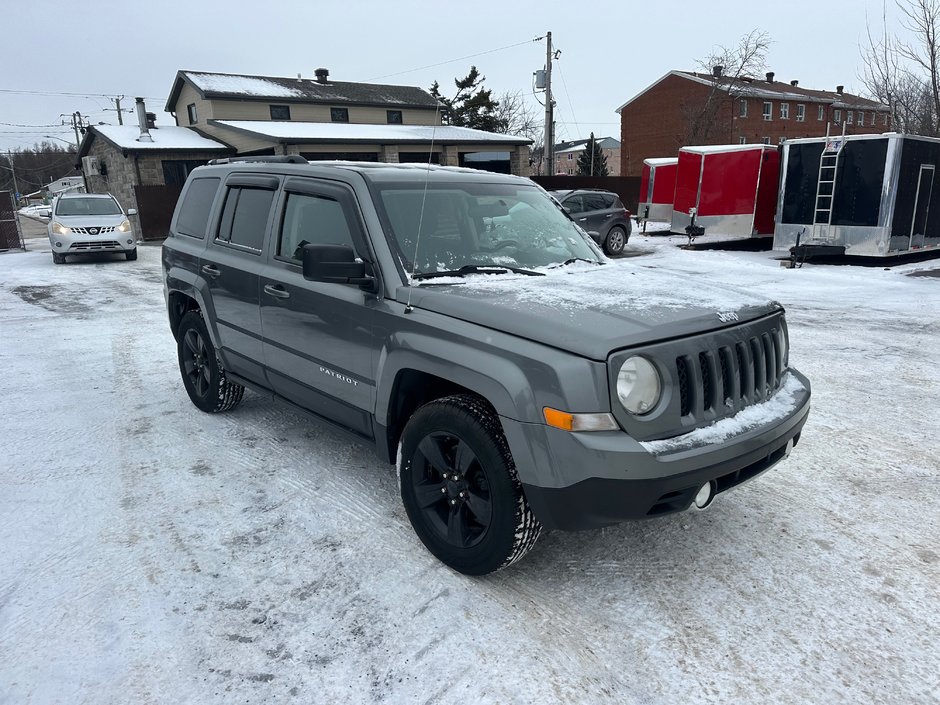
x: 588, y: 309
x: 90, y: 221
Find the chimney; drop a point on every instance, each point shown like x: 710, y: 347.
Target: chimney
x: 716, y: 70
x: 151, y: 121
x: 839, y: 89
x: 142, y: 121
x: 794, y: 83
x: 322, y: 75
x: 770, y: 76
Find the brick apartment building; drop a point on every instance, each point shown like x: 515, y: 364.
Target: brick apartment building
x: 662, y: 118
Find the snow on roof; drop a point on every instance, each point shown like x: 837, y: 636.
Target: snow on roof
x: 716, y: 148
x: 661, y: 161
x: 125, y: 137
x: 346, y: 132
x: 247, y: 85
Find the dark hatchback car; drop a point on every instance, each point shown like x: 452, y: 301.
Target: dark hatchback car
x: 601, y: 214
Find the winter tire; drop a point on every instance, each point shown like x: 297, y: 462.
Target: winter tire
x: 201, y: 369
x: 615, y: 241
x: 460, y: 489
x: 57, y: 258
x: 131, y: 254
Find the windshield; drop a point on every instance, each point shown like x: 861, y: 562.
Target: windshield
x: 87, y: 206
x: 506, y: 225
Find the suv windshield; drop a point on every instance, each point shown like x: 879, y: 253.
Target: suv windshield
x: 87, y: 206
x: 479, y: 224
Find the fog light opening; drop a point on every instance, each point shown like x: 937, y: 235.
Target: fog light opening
x: 130, y: 242
x: 705, y: 495
x: 58, y: 244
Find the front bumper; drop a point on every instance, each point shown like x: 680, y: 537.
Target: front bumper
x: 589, y: 480
x: 77, y: 243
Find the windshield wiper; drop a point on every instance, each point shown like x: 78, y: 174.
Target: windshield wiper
x: 572, y: 260
x: 477, y: 269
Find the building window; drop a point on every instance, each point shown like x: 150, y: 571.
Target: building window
x: 339, y: 114
x: 570, y: 156
x: 280, y: 112
x: 191, y: 112
x: 742, y: 140
x: 742, y: 107
x: 821, y: 112
x: 886, y: 120
x: 784, y: 111
x: 393, y: 117
x: 849, y: 117
x: 781, y: 140
x: 768, y: 111
x: 765, y: 140
x: 861, y: 119
x: 837, y: 116
x: 800, y: 112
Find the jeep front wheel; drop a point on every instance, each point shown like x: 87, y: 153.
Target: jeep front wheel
x: 460, y: 489
x: 201, y: 369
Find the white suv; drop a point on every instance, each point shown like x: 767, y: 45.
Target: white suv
x: 90, y: 222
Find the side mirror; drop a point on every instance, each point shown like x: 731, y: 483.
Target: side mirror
x: 132, y: 211
x: 335, y: 264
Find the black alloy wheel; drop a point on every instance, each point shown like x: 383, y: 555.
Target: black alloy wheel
x: 202, y: 373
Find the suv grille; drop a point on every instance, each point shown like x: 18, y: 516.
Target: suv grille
x: 97, y: 245
x: 104, y: 229
x: 732, y: 376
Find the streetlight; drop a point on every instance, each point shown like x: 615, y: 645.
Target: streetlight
x: 53, y: 137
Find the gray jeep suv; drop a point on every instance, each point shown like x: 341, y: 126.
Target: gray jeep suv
x: 449, y: 318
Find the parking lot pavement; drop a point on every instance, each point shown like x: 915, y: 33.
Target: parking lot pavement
x: 153, y: 553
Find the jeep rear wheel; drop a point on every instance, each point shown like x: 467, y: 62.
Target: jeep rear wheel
x: 460, y: 489
x: 201, y: 369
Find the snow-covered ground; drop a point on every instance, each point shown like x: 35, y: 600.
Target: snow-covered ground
x: 150, y: 553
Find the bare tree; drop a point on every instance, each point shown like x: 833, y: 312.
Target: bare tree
x: 745, y: 59
x: 905, y: 73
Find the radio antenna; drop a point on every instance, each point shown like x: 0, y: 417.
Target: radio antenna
x: 424, y: 196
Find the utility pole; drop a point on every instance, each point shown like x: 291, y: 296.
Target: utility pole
x: 16, y: 189
x: 549, y: 112
x: 117, y: 107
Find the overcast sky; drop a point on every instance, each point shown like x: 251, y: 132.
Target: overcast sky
x: 610, y: 51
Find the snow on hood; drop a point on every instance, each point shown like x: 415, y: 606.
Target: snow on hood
x: 590, y: 309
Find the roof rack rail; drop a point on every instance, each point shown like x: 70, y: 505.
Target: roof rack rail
x: 271, y: 159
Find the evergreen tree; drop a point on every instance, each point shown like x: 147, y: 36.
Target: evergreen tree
x: 592, y: 161
x: 472, y: 106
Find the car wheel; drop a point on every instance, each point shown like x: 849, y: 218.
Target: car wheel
x: 460, y: 488
x: 131, y: 254
x: 616, y: 239
x: 201, y: 369
x: 57, y: 258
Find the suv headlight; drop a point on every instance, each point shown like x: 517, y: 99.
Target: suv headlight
x: 59, y: 229
x: 639, y: 385
x: 125, y: 226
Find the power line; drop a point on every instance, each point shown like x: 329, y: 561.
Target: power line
x: 452, y: 61
x: 14, y: 124
x: 72, y: 95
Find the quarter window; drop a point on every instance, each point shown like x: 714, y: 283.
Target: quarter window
x: 339, y: 114
x: 280, y: 112
x: 768, y: 111
x: 245, y: 217
x: 311, y: 220
x: 194, y: 210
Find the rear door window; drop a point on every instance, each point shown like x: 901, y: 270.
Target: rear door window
x: 245, y: 217
x: 595, y: 202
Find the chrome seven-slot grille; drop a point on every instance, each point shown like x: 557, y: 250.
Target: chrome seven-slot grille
x: 727, y: 378
x: 96, y: 245
x: 104, y: 229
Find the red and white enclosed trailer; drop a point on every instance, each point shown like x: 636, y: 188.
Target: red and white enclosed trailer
x: 657, y: 188
x: 733, y: 189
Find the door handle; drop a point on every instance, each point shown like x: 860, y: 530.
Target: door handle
x: 582, y: 220
x: 277, y: 291
x: 211, y: 270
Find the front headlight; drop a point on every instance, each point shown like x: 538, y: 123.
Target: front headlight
x: 59, y: 229
x: 125, y: 226
x: 639, y: 385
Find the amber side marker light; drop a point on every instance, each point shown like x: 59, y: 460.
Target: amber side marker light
x: 579, y: 422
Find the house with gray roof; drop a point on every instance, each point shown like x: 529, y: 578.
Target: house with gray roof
x: 320, y: 118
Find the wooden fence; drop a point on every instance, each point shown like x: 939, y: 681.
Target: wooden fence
x: 627, y: 187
